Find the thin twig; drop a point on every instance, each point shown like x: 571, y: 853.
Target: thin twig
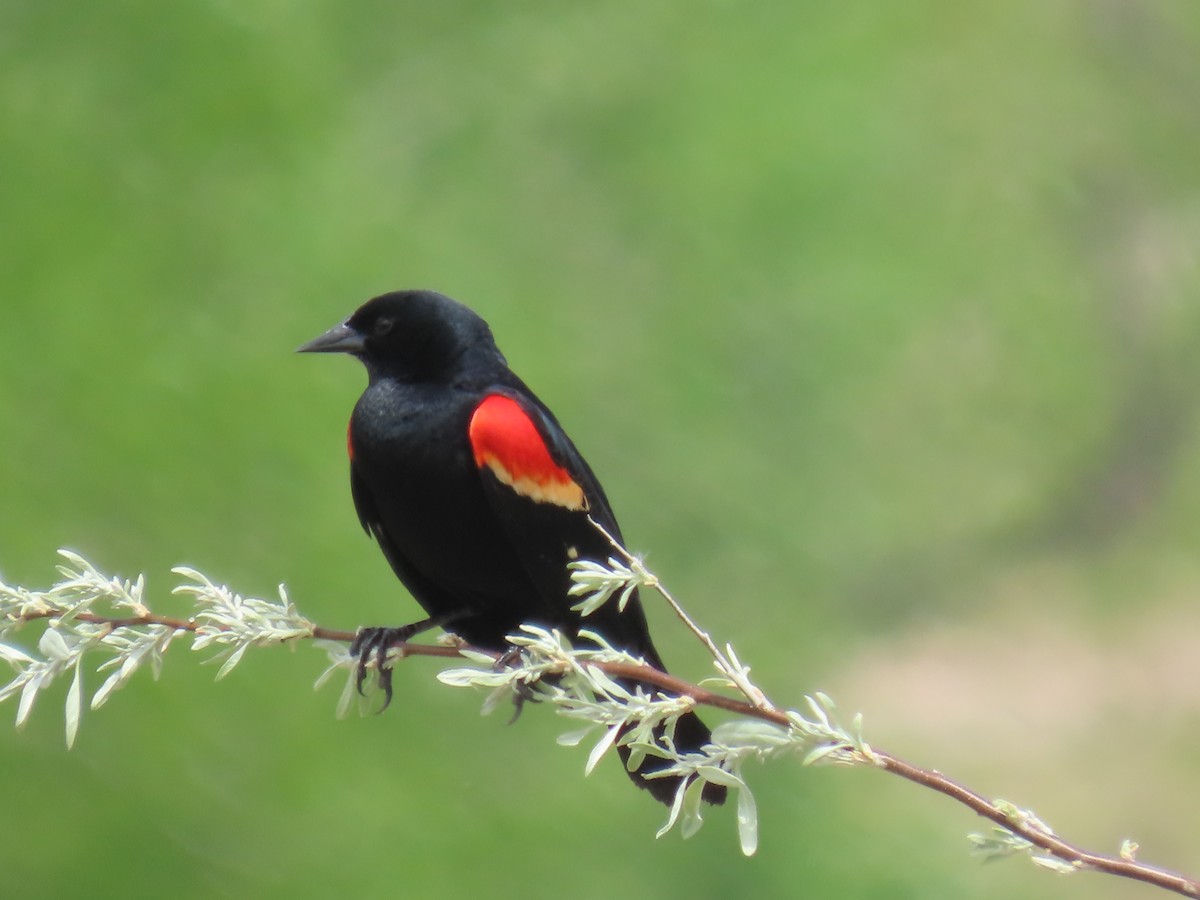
x: 649, y: 579
x: 1000, y: 814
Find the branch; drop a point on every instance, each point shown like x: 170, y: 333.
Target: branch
x: 597, y: 684
x: 1003, y: 814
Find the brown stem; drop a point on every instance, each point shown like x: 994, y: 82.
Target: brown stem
x: 927, y: 778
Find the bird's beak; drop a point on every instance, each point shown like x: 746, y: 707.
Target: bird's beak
x: 339, y: 339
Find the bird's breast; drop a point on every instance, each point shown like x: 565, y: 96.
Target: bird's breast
x: 412, y: 454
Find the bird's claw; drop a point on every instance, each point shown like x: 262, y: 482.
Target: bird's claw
x: 509, y: 658
x: 374, y: 643
x: 522, y: 693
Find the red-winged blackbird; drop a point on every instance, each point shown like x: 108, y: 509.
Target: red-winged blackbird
x: 474, y: 492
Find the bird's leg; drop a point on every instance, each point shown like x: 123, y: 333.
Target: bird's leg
x: 510, y: 657
x: 377, y: 640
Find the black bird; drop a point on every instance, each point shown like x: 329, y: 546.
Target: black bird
x: 474, y: 492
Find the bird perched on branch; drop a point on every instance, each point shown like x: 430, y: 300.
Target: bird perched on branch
x: 474, y: 492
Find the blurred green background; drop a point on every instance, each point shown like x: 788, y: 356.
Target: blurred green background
x: 880, y: 322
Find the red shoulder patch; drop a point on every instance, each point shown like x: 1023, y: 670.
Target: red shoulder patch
x: 505, y: 440
x: 350, y: 440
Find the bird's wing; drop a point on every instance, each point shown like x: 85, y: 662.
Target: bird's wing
x: 543, y: 493
x: 368, y: 515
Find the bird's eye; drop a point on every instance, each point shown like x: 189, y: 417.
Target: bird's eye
x: 382, y: 326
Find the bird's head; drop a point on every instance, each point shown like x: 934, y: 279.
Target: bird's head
x: 411, y: 335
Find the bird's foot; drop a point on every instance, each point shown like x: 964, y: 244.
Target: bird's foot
x: 374, y: 643
x: 508, y: 659
x: 523, y: 691
x: 522, y: 694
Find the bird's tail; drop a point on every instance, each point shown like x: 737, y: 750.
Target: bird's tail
x: 690, y: 735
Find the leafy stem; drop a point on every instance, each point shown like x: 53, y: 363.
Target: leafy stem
x: 598, y: 685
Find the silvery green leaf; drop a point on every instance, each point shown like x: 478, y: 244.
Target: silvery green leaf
x: 818, y: 712
x: 574, y: 738
x: 74, y: 709
x: 67, y: 615
x: 458, y: 677
x: 495, y: 698
x: 129, y: 665
x: 998, y: 844
x: 110, y: 684
x: 1054, y: 864
x: 203, y: 638
x: 623, y: 600
x: 676, y: 807
x: 53, y: 646
x: 234, y: 658
x: 607, y: 685
x: 137, y: 590
x: 14, y: 656
x: 347, y: 697
x: 475, y: 656
x: 856, y: 731
x: 747, y: 821
x: 1009, y: 809
x: 473, y: 678
x: 13, y: 686
x: 798, y: 721
x: 29, y: 694
x: 719, y: 776
x: 588, y: 635
x: 821, y: 753
x: 602, y: 747
x: 73, y: 557
x: 735, y: 663
x: 751, y: 733
x: 594, y: 597
x: 692, y: 816
x: 637, y: 755
x: 324, y: 677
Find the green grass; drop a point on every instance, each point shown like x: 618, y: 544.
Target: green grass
x: 879, y: 322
